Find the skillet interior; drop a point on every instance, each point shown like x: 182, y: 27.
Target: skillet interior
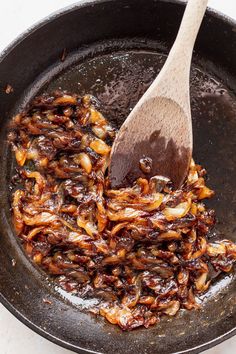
x: 114, y: 51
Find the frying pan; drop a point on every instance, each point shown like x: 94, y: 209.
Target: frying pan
x: 114, y: 49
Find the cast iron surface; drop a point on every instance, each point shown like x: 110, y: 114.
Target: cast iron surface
x: 114, y: 50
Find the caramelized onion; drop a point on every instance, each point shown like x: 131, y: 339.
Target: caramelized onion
x: 177, y: 212
x: 143, y: 251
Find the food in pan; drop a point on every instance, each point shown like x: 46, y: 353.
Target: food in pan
x: 143, y: 251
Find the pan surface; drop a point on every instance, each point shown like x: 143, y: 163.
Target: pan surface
x: 114, y: 51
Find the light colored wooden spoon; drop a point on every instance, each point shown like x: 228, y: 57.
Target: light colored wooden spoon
x: 158, y: 131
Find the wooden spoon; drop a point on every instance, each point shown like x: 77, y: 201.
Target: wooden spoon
x: 156, y: 138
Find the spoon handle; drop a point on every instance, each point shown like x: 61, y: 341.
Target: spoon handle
x: 173, y: 80
x: 189, y: 27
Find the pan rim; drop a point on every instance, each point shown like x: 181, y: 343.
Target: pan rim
x: 6, y: 51
x: 83, y: 3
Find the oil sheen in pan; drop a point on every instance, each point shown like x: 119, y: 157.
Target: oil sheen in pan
x: 119, y: 79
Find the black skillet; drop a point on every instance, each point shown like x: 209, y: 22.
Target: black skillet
x: 114, y: 50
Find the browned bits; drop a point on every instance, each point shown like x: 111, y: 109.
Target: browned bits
x: 63, y: 55
x: 9, y: 89
x: 142, y: 251
x: 145, y: 165
x: 46, y: 301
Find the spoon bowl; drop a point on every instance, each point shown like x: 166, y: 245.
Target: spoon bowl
x: 167, y: 146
